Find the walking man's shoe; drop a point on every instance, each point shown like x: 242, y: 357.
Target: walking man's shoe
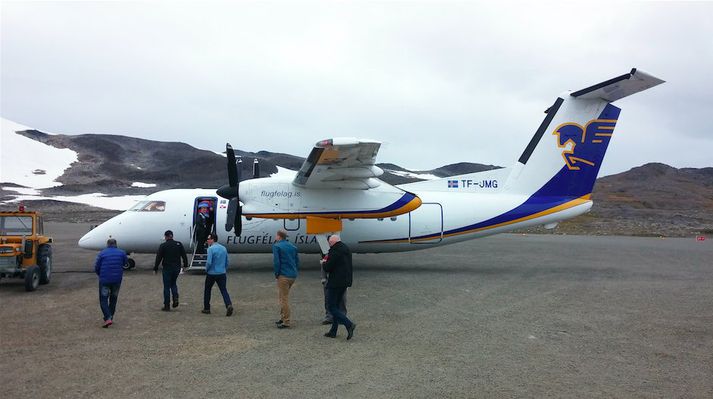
x: 282, y: 325
x: 175, y: 302
x: 278, y: 322
x: 229, y: 312
x: 107, y: 323
x: 330, y: 335
x: 166, y: 308
x: 205, y: 311
x: 350, y: 331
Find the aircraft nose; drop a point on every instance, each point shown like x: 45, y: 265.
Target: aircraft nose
x: 92, y: 240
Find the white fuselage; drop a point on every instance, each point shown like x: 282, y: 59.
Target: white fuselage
x: 443, y: 218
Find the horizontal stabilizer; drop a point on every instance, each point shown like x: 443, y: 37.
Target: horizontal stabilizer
x: 619, y: 87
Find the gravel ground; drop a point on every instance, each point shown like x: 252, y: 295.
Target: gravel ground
x: 506, y: 316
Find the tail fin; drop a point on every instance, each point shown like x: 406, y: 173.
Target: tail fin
x: 565, y: 154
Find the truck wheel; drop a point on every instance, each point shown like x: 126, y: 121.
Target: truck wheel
x: 32, y: 278
x: 130, y: 264
x: 44, y: 260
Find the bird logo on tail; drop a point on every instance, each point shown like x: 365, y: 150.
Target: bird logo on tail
x: 580, y: 143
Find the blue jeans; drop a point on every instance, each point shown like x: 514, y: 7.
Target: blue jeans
x: 108, y: 296
x: 170, y: 288
x: 342, y: 305
x: 334, y: 296
x: 210, y: 279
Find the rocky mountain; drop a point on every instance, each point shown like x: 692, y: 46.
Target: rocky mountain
x: 111, y: 163
x: 653, y: 199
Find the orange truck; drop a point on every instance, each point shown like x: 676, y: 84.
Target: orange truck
x: 25, y: 252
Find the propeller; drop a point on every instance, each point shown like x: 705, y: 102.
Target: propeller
x: 231, y: 193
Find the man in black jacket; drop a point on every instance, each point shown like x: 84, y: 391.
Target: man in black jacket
x: 339, y: 267
x: 171, y: 253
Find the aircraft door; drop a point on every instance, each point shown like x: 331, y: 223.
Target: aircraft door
x: 426, y: 224
x: 293, y: 202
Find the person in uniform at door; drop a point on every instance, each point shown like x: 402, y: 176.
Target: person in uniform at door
x: 204, y: 225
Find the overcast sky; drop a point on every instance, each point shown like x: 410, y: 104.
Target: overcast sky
x: 437, y: 82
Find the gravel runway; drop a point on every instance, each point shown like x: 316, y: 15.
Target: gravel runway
x: 505, y: 316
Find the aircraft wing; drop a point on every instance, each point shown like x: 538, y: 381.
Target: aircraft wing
x: 345, y: 162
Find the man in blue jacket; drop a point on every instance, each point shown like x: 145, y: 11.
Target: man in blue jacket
x: 216, y: 267
x: 109, y: 266
x: 286, y: 264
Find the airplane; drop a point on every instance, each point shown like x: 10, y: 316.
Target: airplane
x: 337, y: 190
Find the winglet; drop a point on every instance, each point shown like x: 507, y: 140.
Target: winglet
x: 619, y: 87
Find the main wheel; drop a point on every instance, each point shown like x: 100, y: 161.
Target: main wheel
x: 32, y: 278
x: 130, y: 264
x: 44, y: 260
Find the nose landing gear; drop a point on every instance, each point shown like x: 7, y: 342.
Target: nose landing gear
x: 130, y: 264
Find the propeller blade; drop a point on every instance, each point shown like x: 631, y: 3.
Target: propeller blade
x: 232, y: 169
x: 230, y: 219
x: 230, y: 190
x: 239, y: 221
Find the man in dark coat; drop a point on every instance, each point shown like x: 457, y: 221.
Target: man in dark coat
x: 328, y: 319
x: 109, y: 266
x: 339, y: 267
x: 171, y: 253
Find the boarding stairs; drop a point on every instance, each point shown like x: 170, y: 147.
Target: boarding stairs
x: 197, y: 261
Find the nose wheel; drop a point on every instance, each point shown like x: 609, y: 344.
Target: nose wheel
x: 130, y: 264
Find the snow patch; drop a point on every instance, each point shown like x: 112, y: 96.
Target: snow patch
x: 424, y: 176
x: 284, y: 172
x: 142, y: 185
x: 98, y: 200
x: 22, y: 190
x: 28, y: 162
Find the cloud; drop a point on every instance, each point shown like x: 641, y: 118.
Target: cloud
x: 438, y: 82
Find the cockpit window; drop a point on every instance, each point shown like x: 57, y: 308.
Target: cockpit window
x: 149, y: 206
